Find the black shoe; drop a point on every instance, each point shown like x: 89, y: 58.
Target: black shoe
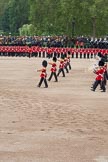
x: 56, y: 81
x: 46, y: 87
x: 93, y: 90
x: 103, y: 91
x: 38, y: 86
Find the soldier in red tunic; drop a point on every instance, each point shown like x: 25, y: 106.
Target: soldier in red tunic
x: 99, y: 78
x: 105, y: 73
x: 53, y: 69
x: 68, y: 60
x: 61, y: 67
x: 43, y: 74
x: 65, y: 63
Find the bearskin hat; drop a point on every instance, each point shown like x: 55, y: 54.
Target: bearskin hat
x: 62, y: 56
x: 99, y: 54
x: 44, y: 63
x: 101, y: 63
x: 54, y: 59
x: 68, y: 52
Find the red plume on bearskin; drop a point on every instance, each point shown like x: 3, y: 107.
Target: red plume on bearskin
x: 44, y: 63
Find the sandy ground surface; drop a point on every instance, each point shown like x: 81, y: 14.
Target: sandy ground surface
x: 64, y: 123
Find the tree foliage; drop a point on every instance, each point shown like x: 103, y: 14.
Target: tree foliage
x: 54, y: 17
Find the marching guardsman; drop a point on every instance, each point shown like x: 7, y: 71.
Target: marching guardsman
x: 43, y: 74
x: 29, y: 52
x: 99, y: 78
x: 105, y: 73
x: 53, y: 69
x: 68, y: 60
x: 61, y: 67
x: 66, y: 63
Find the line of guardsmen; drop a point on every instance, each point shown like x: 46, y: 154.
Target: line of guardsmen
x: 36, y: 51
x: 64, y: 64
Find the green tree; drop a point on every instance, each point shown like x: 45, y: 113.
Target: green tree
x: 54, y: 17
x: 15, y: 15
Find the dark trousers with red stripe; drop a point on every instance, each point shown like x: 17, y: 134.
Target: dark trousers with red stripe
x: 66, y: 68
x: 53, y: 74
x: 96, y: 83
x: 99, y: 82
x: 68, y: 64
x: 43, y: 80
x: 61, y: 70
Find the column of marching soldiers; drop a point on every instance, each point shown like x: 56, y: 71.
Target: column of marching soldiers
x: 64, y: 64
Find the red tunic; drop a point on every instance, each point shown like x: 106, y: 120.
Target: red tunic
x: 43, y: 73
x: 65, y: 61
x: 100, y: 73
x: 61, y: 66
x: 53, y: 69
x: 68, y: 59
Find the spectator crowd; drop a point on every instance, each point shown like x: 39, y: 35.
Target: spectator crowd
x: 54, y: 41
